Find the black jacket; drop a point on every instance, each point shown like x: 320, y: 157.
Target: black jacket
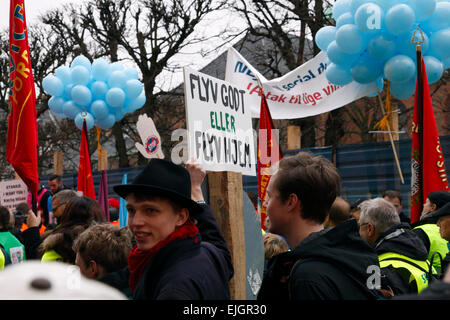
x: 420, y: 233
x: 334, y: 266
x: 196, y: 268
x: 402, y: 240
x: 438, y: 290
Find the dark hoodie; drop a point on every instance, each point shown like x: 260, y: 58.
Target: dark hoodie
x: 406, y: 243
x: 334, y: 266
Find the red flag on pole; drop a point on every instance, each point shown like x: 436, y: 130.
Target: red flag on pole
x: 22, y: 135
x: 85, y: 179
x: 427, y: 161
x: 269, y: 153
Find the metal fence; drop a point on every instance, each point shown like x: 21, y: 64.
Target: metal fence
x: 366, y: 169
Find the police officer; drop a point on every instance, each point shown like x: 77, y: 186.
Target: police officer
x: 443, y: 222
x: 427, y: 229
x: 401, y: 253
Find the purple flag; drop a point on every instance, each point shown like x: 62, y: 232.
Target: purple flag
x: 103, y: 194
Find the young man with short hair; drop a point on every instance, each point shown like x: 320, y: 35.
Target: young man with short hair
x: 324, y: 264
x: 179, y: 253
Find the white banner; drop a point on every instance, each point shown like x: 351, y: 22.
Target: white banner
x: 301, y: 93
x: 12, y: 193
x: 219, y: 124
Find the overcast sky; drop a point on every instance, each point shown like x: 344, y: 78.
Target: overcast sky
x: 33, y: 8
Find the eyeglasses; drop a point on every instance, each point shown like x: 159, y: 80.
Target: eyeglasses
x: 363, y: 224
x: 56, y: 208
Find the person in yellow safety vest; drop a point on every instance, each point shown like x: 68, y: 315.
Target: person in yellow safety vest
x: 427, y: 229
x: 401, y: 253
x: 12, y: 245
x: 443, y: 222
x: 4, y: 258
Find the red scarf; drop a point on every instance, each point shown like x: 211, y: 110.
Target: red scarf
x: 139, y: 259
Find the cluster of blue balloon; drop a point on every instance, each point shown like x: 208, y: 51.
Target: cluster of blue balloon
x: 101, y: 92
x: 372, y: 41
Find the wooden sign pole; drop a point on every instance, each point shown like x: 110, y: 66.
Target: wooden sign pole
x: 58, y: 159
x: 103, y: 160
x: 226, y: 201
x: 294, y: 137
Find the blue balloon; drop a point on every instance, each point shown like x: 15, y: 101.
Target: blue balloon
x: 400, y: 19
x: 350, y: 39
x: 117, y: 79
x: 131, y: 73
x: 446, y: 63
x: 440, y: 43
x: 107, y: 122
x: 340, y: 7
x: 81, y: 95
x: 338, y: 75
x: 355, y: 4
x: 434, y: 67
x: 115, y: 97
x: 133, y: 88
x: 369, y: 18
x: 366, y: 70
x: 80, y: 75
x: 99, y: 89
x: 403, y: 90
x: 70, y: 109
x: 100, y: 69
x: 52, y: 85
x: 116, y: 66
x: 136, y: 103
x: 339, y: 57
x: 99, y: 109
x: 86, y: 116
x: 423, y: 9
x: 406, y: 47
x: 324, y: 37
x: 381, y: 47
x: 55, y: 104
x: 440, y: 18
x: 399, y: 68
x: 81, y: 61
x: 68, y: 91
x: 63, y: 73
x: 119, y: 114
x: 380, y: 85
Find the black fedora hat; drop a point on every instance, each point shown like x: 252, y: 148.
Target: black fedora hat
x: 163, y: 178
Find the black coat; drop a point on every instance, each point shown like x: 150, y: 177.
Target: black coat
x: 334, y: 266
x: 406, y: 243
x: 185, y: 269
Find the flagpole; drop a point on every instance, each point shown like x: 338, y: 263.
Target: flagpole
x: 419, y: 112
x: 391, y: 139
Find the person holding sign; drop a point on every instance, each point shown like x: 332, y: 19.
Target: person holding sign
x: 179, y: 253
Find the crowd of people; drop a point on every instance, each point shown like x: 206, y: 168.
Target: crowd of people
x: 318, y: 246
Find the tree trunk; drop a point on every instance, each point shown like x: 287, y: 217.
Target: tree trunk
x: 120, y: 145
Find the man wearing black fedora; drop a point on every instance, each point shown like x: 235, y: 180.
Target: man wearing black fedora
x: 180, y: 252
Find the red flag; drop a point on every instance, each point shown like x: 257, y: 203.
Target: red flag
x: 432, y: 165
x: 85, y: 180
x: 269, y: 153
x: 22, y: 136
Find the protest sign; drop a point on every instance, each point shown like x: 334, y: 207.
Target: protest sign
x: 219, y: 124
x: 303, y: 92
x: 12, y: 193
